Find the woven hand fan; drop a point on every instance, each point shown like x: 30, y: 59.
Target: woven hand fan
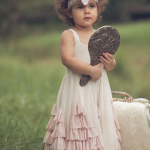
x: 106, y: 39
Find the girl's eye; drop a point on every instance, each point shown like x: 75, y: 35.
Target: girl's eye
x: 80, y: 7
x: 92, y: 6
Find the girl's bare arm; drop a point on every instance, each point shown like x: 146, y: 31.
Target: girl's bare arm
x: 67, y: 54
x: 71, y: 62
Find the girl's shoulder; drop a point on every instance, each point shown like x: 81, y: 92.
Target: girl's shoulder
x: 67, y: 35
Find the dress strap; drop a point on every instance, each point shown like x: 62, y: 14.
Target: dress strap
x: 75, y: 35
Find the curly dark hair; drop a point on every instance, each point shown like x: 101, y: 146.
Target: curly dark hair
x: 61, y: 7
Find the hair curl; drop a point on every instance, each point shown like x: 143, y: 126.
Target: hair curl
x: 61, y: 7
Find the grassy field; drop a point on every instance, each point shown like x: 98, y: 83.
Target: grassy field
x: 31, y: 74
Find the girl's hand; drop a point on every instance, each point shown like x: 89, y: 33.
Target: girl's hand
x: 108, y: 62
x: 95, y: 72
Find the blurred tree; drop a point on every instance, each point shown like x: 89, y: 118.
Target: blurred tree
x: 116, y: 11
x: 16, y: 12
x: 139, y: 12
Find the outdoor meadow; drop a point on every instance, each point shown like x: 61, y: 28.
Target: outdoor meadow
x: 31, y: 73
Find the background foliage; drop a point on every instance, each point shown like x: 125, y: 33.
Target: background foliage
x: 16, y: 14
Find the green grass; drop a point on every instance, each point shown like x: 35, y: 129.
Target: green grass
x: 28, y: 92
x: 34, y: 46
x: 31, y: 74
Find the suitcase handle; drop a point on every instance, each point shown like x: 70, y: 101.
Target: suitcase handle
x: 121, y: 93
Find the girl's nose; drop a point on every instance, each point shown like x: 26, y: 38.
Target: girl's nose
x: 87, y: 10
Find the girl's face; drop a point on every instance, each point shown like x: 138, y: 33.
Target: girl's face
x: 84, y: 15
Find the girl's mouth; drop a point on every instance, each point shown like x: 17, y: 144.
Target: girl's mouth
x: 87, y: 18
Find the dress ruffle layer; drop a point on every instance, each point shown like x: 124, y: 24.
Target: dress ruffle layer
x: 55, y: 136
x: 82, y: 134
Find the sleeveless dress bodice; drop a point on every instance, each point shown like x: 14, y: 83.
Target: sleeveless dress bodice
x: 83, y: 118
x: 80, y: 50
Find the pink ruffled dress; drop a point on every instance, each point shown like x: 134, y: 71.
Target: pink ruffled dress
x: 83, y: 118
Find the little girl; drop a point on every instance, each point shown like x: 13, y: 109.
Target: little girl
x: 83, y: 118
